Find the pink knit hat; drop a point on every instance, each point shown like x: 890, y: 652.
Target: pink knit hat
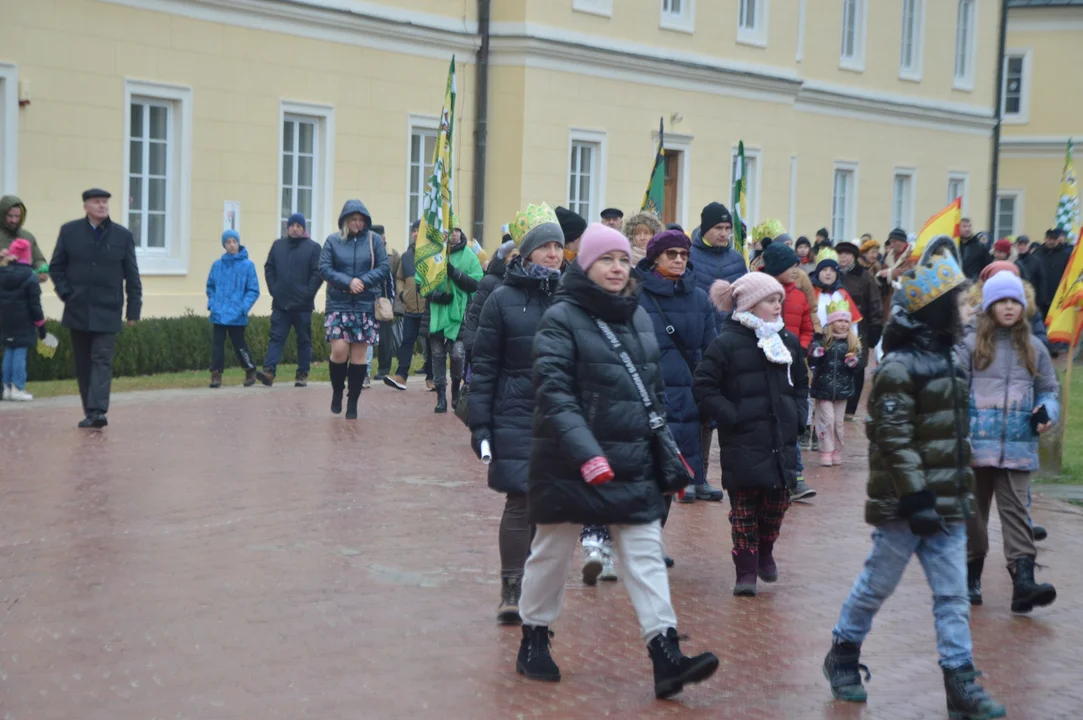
x: 20, y: 250
x: 598, y: 240
x: 748, y: 290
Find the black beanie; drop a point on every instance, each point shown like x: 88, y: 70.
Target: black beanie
x: 822, y: 233
x: 897, y: 234
x: 801, y: 241
x: 712, y: 215
x: 777, y: 259
x: 571, y: 224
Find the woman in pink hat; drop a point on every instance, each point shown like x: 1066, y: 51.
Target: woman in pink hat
x: 21, y: 320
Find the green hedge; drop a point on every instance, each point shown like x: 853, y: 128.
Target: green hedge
x: 164, y: 345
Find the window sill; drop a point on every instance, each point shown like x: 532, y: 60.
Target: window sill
x: 963, y: 84
x: 159, y: 264
x: 753, y: 39
x: 602, y: 8
x: 854, y: 65
x: 678, y: 25
x: 910, y: 76
x: 1015, y: 119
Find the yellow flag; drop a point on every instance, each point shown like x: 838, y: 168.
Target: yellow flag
x: 945, y: 222
x: 1065, y: 318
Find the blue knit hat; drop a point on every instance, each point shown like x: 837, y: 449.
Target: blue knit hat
x: 231, y: 234
x: 296, y: 219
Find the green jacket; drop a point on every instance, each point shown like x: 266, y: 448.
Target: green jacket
x: 9, y: 235
x: 918, y: 432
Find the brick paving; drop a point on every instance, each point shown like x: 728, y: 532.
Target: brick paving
x: 244, y: 554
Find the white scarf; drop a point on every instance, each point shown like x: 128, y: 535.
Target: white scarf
x: 768, y: 339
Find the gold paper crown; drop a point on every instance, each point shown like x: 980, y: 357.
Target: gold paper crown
x: 455, y: 222
x: 937, y: 274
x: 768, y: 228
x: 827, y: 254
x: 529, y: 218
x: 838, y: 305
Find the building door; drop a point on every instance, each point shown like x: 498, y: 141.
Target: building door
x: 672, y: 178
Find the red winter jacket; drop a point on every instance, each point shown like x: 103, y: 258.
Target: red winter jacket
x: 797, y: 314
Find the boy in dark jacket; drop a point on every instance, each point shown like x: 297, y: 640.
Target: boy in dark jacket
x: 919, y: 483
x: 22, y: 322
x: 292, y: 272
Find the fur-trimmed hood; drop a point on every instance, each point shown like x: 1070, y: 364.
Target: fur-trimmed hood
x: 641, y: 218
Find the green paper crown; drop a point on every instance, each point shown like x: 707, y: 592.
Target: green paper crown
x: 838, y: 305
x: 529, y: 218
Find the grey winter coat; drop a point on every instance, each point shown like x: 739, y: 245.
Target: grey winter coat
x: 344, y: 259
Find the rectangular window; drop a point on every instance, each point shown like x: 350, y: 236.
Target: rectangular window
x: 1009, y: 205
x: 957, y: 188
x: 678, y: 15
x: 913, y: 18
x: 844, y: 201
x: 582, y: 178
x: 852, y: 56
x: 422, y: 147
x: 964, y: 45
x: 902, y: 199
x: 752, y: 22
x: 157, y: 174
x: 1016, y: 95
x: 305, y: 163
x: 752, y: 184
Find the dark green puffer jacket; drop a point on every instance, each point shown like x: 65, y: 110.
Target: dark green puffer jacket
x: 918, y: 434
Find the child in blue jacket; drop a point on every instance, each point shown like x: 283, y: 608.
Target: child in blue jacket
x: 232, y: 290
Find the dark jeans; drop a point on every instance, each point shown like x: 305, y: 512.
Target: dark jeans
x: 240, y: 347
x: 441, y: 348
x: 411, y: 328
x: 281, y: 322
x: 516, y: 534
x: 859, y: 382
x: 93, y: 354
x: 385, y: 348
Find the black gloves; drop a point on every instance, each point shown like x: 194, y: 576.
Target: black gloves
x: 476, y: 436
x: 41, y: 332
x: 919, y: 509
x: 441, y: 298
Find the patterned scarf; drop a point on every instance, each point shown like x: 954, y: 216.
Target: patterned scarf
x: 539, y: 272
x: 769, y: 339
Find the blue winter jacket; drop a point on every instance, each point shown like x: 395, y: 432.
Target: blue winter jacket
x: 232, y: 289
x: 715, y: 263
x: 344, y: 259
x: 692, y: 317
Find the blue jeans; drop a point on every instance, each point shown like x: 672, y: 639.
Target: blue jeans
x: 800, y: 465
x: 14, y: 371
x: 281, y: 322
x: 943, y: 557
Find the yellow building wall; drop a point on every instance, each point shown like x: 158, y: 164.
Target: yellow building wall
x: 1055, y: 82
x: 1039, y: 179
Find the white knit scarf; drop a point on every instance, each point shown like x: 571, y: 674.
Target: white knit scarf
x: 768, y: 339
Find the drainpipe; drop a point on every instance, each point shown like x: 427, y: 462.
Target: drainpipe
x: 994, y: 183
x: 481, y: 120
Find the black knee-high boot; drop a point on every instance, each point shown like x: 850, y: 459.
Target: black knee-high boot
x: 338, y: 385
x: 356, y: 375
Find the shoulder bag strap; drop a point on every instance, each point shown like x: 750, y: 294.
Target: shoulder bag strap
x: 656, y: 420
x: 671, y: 331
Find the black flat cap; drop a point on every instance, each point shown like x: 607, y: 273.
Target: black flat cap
x: 95, y: 193
x: 612, y: 213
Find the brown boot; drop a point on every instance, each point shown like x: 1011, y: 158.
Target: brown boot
x: 249, y: 377
x: 395, y: 381
x: 265, y: 376
x: 216, y: 379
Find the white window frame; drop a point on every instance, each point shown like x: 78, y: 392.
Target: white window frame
x: 849, y: 229
x: 1017, y: 217
x: 965, y: 80
x: 903, y: 216
x: 594, y: 7
x: 757, y: 34
x: 913, y: 72
x: 417, y: 124
x: 753, y: 182
x: 1023, y: 116
x: 598, y: 169
x: 174, y: 258
x: 855, y: 62
x: 323, y: 172
x: 9, y: 128
x: 683, y: 21
x: 964, y: 179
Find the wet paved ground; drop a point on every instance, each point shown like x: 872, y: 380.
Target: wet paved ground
x: 244, y: 554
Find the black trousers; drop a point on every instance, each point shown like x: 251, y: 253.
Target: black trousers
x: 859, y: 382
x: 240, y: 347
x: 93, y: 354
x: 386, y: 348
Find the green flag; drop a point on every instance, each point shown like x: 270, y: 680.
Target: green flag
x: 654, y: 198
x: 738, y: 201
x: 430, y: 253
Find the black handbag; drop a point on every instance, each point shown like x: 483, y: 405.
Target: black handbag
x: 671, y: 471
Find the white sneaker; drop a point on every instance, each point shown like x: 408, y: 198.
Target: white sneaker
x: 593, y: 560
x: 609, y: 572
x: 19, y: 395
x: 4, y: 392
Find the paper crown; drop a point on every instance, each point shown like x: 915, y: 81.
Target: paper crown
x: 936, y: 274
x: 827, y: 254
x: 529, y: 218
x: 838, y: 305
x: 455, y: 222
x: 768, y: 228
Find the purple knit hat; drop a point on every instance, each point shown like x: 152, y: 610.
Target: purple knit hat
x: 1002, y: 286
x: 598, y: 240
x: 666, y: 240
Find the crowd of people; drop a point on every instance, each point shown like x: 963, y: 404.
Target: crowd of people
x: 586, y: 358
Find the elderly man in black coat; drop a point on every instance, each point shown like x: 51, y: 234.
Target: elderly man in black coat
x: 92, y: 267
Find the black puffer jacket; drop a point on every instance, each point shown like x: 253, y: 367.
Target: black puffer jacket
x: 586, y: 405
x: 494, y: 278
x: 975, y: 256
x: 20, y: 306
x: 502, y: 388
x: 918, y: 432
x: 832, y: 378
x: 761, y: 407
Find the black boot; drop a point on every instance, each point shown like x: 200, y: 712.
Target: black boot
x: 967, y: 700
x: 843, y: 670
x: 1040, y: 532
x: 508, y: 612
x: 673, y: 669
x: 973, y: 579
x: 338, y: 384
x: 455, y: 393
x: 1026, y: 593
x: 441, y: 399
x: 534, y: 659
x: 356, y: 375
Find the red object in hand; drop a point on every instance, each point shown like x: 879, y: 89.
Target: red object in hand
x: 596, y: 471
x: 818, y: 352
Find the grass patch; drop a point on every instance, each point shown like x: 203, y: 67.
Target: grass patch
x: 1072, y: 469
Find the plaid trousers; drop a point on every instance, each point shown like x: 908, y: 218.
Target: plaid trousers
x: 756, y: 517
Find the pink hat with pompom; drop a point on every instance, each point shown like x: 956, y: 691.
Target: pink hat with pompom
x: 745, y: 292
